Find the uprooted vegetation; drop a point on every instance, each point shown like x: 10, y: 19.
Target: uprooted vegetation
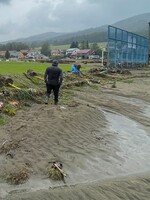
x: 17, y: 176
x: 17, y: 91
x: 7, y: 146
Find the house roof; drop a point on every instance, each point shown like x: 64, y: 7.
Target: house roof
x: 55, y: 51
x: 24, y: 51
x: 72, y: 49
x: 84, y: 51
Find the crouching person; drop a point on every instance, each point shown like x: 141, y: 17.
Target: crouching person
x: 53, y: 78
x: 76, y: 69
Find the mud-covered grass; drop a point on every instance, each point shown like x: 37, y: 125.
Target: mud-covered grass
x: 2, y: 119
x: 32, y: 89
x: 17, y: 176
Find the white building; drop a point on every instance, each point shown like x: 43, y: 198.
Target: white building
x: 72, y: 50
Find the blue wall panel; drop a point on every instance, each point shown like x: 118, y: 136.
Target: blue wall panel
x: 126, y: 49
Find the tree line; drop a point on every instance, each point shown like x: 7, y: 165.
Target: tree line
x: 45, y: 47
x: 13, y: 46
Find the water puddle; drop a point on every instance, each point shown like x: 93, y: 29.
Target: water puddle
x: 30, y: 186
x: 144, y: 106
x: 134, y: 142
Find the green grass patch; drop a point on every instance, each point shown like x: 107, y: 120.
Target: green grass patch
x: 2, y: 120
x: 66, y: 96
x: 21, y: 67
x: 62, y: 47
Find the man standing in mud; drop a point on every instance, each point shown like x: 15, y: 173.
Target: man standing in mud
x: 53, y: 78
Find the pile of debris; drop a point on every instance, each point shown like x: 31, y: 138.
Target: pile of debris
x: 56, y: 172
x: 17, y: 176
x: 19, y: 90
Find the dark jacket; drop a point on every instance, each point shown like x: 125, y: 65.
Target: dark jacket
x: 53, y: 75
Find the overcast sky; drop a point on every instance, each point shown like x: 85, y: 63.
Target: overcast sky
x: 23, y: 18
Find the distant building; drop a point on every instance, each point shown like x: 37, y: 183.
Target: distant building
x: 72, y: 51
x: 13, y: 54
x: 84, y: 53
x: 94, y: 57
x: 33, y: 54
x: 56, y: 52
x: 21, y: 55
x: 2, y: 53
x: 25, y: 52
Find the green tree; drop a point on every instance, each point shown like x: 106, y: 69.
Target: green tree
x: 45, y: 50
x: 84, y: 45
x: 87, y: 44
x: 7, y: 54
x: 77, y: 44
x: 14, y: 46
x: 94, y: 46
x: 73, y: 45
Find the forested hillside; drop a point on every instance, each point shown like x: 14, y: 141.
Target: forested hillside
x: 137, y: 24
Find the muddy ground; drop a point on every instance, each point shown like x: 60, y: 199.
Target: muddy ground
x: 101, y: 135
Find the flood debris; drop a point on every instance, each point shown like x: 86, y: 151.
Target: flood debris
x: 56, y: 172
x: 17, y: 176
x: 5, y: 80
x: 10, y: 154
x: 2, y: 105
x: 9, y: 145
x: 30, y: 88
x: 4, y: 93
x: 31, y: 72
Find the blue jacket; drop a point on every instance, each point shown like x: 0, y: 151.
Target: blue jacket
x: 75, y: 70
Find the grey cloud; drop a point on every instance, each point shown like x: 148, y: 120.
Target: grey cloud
x: 5, y: 1
x: 79, y: 16
x: 66, y: 15
x: 5, y: 28
x: 37, y: 20
x: 95, y: 1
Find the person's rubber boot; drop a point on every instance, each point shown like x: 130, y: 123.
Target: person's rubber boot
x: 56, y: 102
x: 46, y: 100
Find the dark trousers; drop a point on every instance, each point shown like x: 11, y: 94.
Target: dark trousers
x: 55, y: 89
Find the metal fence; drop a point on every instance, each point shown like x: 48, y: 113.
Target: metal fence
x: 126, y: 49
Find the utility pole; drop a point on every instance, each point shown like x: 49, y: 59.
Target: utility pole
x: 103, y: 50
x: 102, y: 57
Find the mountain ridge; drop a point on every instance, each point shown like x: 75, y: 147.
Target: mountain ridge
x: 137, y: 24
